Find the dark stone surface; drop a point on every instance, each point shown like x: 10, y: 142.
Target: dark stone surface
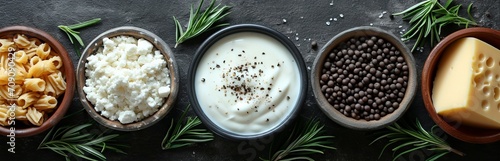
x: 305, y: 20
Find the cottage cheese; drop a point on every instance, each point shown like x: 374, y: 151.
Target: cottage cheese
x: 127, y: 80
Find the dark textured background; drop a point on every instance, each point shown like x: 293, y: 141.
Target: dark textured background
x: 305, y: 19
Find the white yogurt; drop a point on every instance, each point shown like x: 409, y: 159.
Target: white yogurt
x: 247, y: 83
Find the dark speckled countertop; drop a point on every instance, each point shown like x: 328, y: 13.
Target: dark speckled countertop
x: 305, y: 22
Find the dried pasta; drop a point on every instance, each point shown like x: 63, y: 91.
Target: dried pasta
x: 46, y: 103
x: 3, y: 115
x: 57, y: 83
x: 17, y: 90
x: 5, y: 44
x: 34, y: 84
x: 34, y: 42
x: 49, y: 90
x: 34, y: 116
x: 31, y: 78
x: 21, y: 57
x: 44, y: 67
x: 27, y: 99
x: 21, y: 41
x: 4, y: 77
x: 43, y: 50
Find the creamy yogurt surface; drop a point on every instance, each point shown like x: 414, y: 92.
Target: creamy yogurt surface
x: 247, y: 83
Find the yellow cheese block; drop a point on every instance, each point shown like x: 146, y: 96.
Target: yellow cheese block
x: 467, y: 84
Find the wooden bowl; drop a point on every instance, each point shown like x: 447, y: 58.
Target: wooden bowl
x: 158, y: 44
x: 63, y: 101
x: 362, y: 124
x: 456, y: 129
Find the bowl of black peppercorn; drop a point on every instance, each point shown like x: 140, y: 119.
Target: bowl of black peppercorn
x: 364, y: 78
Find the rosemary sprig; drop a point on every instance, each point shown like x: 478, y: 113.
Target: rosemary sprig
x: 308, y: 139
x: 409, y: 139
x: 428, y: 17
x: 74, y: 35
x: 72, y: 140
x: 185, y: 135
x: 200, y: 22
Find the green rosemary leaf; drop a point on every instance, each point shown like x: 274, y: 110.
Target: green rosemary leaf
x: 179, y: 30
x: 435, y: 157
x: 185, y: 135
x: 426, y: 19
x: 408, y: 151
x: 101, y: 139
x: 74, y: 131
x: 91, y: 151
x: 72, y: 34
x: 469, y: 8
x: 84, y: 24
x: 298, y: 158
x: 200, y: 22
x: 410, y: 9
x: 72, y: 140
x: 406, y: 139
x: 303, y: 140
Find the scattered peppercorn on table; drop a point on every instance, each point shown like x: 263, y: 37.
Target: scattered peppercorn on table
x: 308, y: 24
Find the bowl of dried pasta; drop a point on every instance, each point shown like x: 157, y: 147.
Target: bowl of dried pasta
x: 37, y: 81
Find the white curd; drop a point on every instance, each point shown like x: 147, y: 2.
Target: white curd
x: 247, y: 83
x: 127, y: 79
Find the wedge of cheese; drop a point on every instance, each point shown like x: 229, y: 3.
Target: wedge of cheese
x: 467, y: 84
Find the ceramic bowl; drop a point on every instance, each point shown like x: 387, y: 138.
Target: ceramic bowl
x: 67, y: 70
x: 362, y: 124
x: 158, y: 44
x: 229, y: 33
x: 456, y: 129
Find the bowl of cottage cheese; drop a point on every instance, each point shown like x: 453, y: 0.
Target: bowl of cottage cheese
x: 127, y: 78
x: 247, y: 81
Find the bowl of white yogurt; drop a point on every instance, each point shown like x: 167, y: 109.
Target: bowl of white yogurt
x: 127, y: 78
x: 247, y: 81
